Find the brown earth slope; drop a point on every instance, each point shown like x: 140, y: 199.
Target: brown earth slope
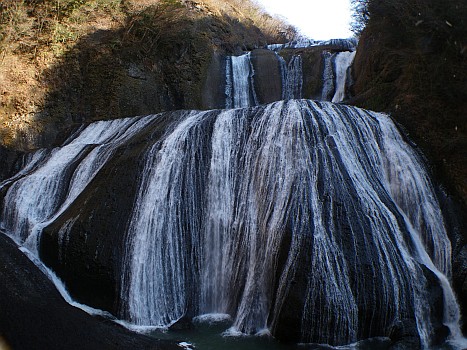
x: 71, y: 61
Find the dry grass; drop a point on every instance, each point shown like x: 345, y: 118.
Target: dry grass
x: 33, y: 38
x: 250, y: 12
x: 36, y: 37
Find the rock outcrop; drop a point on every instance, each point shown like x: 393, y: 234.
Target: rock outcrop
x: 35, y: 316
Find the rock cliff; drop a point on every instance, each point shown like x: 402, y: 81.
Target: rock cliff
x: 76, y: 61
x: 411, y: 61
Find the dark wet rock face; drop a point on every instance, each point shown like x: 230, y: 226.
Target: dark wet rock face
x: 436, y: 298
x: 90, y: 261
x: 460, y: 280
x: 456, y: 223
x: 268, y: 79
x: 403, y: 335
x: 312, y: 68
x: 90, y: 257
x: 35, y: 316
x: 214, y: 86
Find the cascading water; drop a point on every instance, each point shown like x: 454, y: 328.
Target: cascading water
x: 52, y: 181
x: 294, y: 214
x: 241, y: 211
x: 342, y: 44
x: 335, y: 75
x: 292, y: 79
x: 160, y: 266
x: 342, y: 62
x: 328, y: 77
x: 239, y: 82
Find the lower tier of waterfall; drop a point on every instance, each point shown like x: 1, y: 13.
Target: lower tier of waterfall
x: 312, y: 221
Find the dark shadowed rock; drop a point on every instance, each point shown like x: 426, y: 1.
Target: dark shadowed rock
x: 90, y: 262
x: 11, y: 162
x: 287, y: 324
x: 436, y: 297
x: 404, y: 335
x: 456, y: 224
x: 33, y: 315
x: 213, y: 94
x: 268, y: 83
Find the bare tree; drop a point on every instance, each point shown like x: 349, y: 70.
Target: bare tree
x: 360, y: 15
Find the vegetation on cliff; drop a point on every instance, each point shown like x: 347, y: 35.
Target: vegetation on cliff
x: 412, y: 62
x: 63, y: 62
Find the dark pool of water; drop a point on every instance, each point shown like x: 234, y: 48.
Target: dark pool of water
x: 210, y: 336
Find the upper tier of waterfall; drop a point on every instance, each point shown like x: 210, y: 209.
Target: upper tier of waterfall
x: 245, y: 82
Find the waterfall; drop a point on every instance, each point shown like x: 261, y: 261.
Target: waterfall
x: 309, y: 170
x: 53, y: 180
x: 297, y: 210
x: 335, y: 75
x: 328, y: 77
x: 342, y: 63
x: 341, y: 44
x: 164, y: 222
x: 239, y: 82
x: 292, y: 77
x: 240, y: 77
x: 293, y: 82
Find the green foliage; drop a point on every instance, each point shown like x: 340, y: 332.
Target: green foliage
x: 63, y: 33
x: 64, y: 8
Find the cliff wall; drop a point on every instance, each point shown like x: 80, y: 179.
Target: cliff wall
x: 411, y: 61
x: 71, y: 62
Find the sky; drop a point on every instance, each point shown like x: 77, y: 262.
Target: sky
x: 317, y: 19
